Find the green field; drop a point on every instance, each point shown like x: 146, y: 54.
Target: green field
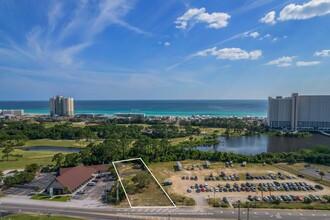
x: 53, y: 199
x: 39, y: 157
x: 37, y: 217
x: 56, y: 143
x: 52, y: 124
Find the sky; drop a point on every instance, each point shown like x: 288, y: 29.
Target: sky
x: 157, y: 49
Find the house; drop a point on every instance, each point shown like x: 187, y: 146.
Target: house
x: 72, y: 178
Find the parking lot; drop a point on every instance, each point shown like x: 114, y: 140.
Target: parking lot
x: 312, y: 171
x: 41, y: 182
x: 93, y: 193
x: 238, y: 183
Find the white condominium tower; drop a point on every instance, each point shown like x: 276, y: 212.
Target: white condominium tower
x: 305, y: 112
x: 61, y: 106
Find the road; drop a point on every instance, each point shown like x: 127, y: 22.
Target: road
x: 164, y: 213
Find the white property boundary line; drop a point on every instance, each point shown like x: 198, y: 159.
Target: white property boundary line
x: 122, y: 185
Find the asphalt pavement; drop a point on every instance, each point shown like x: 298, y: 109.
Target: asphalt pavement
x: 166, y: 213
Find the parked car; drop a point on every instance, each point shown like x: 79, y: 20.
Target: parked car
x: 167, y: 183
x: 32, y: 193
x: 81, y: 191
x: 91, y: 184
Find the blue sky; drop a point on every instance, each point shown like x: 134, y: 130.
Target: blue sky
x: 156, y: 49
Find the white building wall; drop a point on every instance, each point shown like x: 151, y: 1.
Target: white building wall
x: 303, y: 112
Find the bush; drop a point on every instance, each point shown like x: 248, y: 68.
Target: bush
x: 308, y: 200
x: 277, y: 202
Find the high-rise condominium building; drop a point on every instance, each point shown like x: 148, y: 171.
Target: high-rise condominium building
x: 305, y: 112
x: 61, y: 106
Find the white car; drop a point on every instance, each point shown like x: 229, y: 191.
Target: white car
x: 81, y: 191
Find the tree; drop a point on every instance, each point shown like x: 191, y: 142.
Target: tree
x: 322, y: 174
x: 308, y: 200
x: 17, y: 156
x: 142, y: 179
x: 58, y: 158
x: 7, y: 152
x: 65, y: 190
x: 32, y: 168
x: 71, y: 159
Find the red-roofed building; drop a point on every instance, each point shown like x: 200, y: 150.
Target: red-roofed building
x: 72, y: 178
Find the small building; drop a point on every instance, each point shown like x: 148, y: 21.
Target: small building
x: 179, y: 165
x: 72, y: 178
x: 207, y: 164
x: 16, y: 112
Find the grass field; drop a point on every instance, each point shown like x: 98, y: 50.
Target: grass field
x: 37, y: 217
x: 210, y: 131
x: 39, y: 157
x: 48, y: 198
x: 56, y: 143
x: 52, y: 124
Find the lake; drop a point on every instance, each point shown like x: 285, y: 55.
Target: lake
x: 264, y: 143
x: 53, y: 148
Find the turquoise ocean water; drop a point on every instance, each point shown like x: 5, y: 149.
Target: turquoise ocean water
x: 222, y: 108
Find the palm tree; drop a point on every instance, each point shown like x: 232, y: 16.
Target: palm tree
x: 270, y: 190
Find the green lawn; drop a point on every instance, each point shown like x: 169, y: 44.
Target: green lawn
x: 39, y: 157
x: 37, y: 217
x: 56, y: 143
x: 48, y: 198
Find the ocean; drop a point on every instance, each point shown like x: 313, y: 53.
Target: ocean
x: 220, y: 108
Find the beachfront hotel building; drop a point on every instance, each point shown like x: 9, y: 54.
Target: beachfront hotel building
x: 61, y: 106
x: 299, y: 112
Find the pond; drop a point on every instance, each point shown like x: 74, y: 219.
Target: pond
x: 52, y: 148
x: 265, y: 143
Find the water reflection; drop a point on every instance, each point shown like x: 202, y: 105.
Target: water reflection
x: 264, y: 143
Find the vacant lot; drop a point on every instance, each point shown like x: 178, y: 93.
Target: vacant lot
x: 141, y: 196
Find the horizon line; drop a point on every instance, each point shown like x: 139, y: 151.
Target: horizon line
x: 38, y: 100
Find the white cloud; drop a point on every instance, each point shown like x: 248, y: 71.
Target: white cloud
x: 214, y: 20
x: 323, y: 53
x: 308, y: 10
x: 282, y: 61
x: 269, y: 18
x: 265, y: 36
x: 48, y: 46
x: 310, y: 63
x: 231, y: 53
x: 254, y: 34
x: 167, y: 44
